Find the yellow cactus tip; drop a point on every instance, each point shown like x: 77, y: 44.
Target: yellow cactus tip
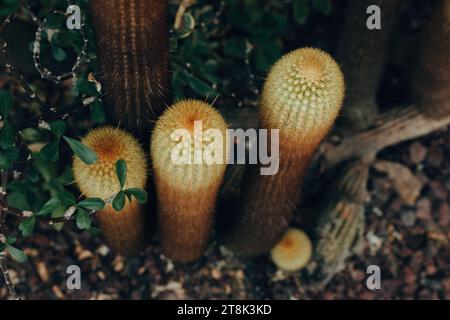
x: 308, y: 84
x: 293, y: 251
x: 110, y: 144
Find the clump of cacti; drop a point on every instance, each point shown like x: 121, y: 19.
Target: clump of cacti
x: 187, y: 191
x: 431, y: 76
x: 302, y: 97
x: 293, y: 251
x: 133, y: 48
x: 123, y: 230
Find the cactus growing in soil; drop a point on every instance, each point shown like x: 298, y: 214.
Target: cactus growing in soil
x: 293, y: 252
x: 431, y: 77
x: 133, y: 46
x: 302, y: 97
x: 187, y: 192
x: 124, y: 230
x: 363, y: 53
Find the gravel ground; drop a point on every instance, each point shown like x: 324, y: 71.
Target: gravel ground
x: 409, y: 242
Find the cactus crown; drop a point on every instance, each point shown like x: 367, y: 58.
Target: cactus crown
x: 184, y: 115
x: 304, y: 90
x: 110, y: 144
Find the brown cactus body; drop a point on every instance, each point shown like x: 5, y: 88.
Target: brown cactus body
x: 362, y: 54
x: 133, y: 49
x: 431, y: 77
x: 186, y: 192
x: 124, y: 230
x: 301, y: 97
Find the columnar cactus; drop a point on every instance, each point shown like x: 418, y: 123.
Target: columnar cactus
x: 133, y: 46
x: 362, y: 53
x: 302, y: 97
x: 431, y: 77
x: 123, y: 230
x: 187, y: 191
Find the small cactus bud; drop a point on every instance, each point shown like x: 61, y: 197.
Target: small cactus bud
x: 431, y: 77
x: 187, y: 191
x: 293, y: 251
x: 302, y: 97
x: 124, y: 230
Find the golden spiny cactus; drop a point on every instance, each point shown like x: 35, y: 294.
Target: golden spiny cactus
x: 124, y: 230
x: 293, y: 252
x: 302, y: 97
x: 187, y: 192
x: 431, y: 77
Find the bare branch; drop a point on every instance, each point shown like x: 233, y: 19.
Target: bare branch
x: 391, y: 128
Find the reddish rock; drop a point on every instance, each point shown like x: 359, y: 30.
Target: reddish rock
x: 417, y: 152
x: 444, y: 214
x: 423, y: 210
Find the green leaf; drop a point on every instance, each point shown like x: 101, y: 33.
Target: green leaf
x: 11, y: 240
x: 235, y: 48
x: 140, y: 195
x: 50, y: 152
x: 27, y: 226
x: 201, y: 87
x: 9, y: 7
x: 83, y: 220
x: 5, y: 103
x: 55, y: 20
x: 5, y: 163
x: 67, y: 198
x: 187, y: 26
x: 94, y: 231
x: 92, y: 204
x: 119, y: 201
x: 16, y: 254
x: 81, y: 151
x: 121, y: 171
x: 7, y: 136
x: 58, y: 127
x: 58, y: 53
x: 7, y: 157
x: 97, y: 113
x: 323, y: 6
x: 50, y: 206
x: 300, y: 10
x: 87, y: 88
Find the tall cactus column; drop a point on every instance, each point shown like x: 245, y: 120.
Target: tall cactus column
x: 431, y: 78
x: 362, y: 54
x: 187, y: 190
x: 133, y: 47
x: 302, y: 97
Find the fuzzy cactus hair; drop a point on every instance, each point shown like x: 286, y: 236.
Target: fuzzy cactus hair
x: 301, y: 97
x: 124, y: 230
x: 133, y: 48
x: 186, y: 192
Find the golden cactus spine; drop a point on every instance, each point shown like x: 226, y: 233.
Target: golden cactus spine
x: 187, y: 191
x: 124, y: 230
x: 431, y: 77
x: 133, y: 47
x: 302, y: 97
